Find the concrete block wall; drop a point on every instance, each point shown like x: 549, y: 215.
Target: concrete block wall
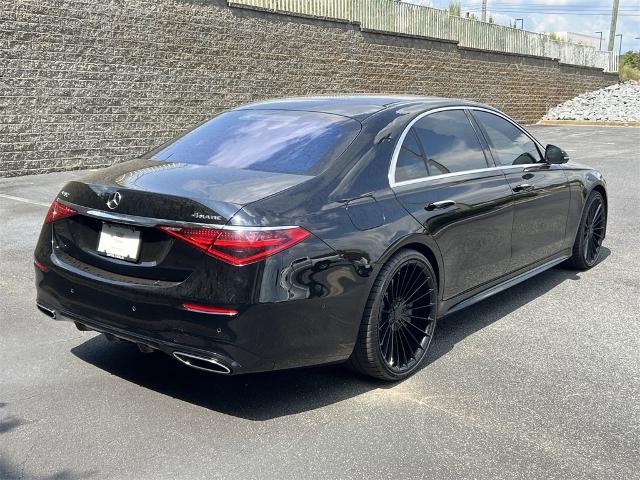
x: 87, y: 83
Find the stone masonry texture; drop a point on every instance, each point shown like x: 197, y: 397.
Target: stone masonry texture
x: 87, y: 83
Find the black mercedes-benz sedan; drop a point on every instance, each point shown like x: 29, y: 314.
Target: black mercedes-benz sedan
x: 317, y: 230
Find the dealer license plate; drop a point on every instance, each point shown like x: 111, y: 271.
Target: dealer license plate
x: 119, y: 241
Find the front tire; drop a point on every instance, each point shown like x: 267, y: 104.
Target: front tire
x: 399, y: 319
x: 588, y: 243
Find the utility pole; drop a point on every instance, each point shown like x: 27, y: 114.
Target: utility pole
x: 612, y: 29
x: 484, y: 10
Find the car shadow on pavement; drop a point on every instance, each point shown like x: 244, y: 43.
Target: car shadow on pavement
x: 270, y: 395
x: 456, y: 327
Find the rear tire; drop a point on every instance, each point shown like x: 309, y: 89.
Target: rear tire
x: 399, y: 319
x: 593, y: 225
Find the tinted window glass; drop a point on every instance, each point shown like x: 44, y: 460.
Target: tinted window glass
x: 269, y: 140
x: 449, y: 142
x: 410, y: 164
x: 509, y: 144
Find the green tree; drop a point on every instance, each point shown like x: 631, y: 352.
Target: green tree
x: 631, y: 59
x: 454, y: 8
x: 629, y: 68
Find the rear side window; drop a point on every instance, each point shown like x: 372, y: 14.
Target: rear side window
x: 450, y: 143
x: 509, y: 144
x: 284, y: 141
x: 411, y: 163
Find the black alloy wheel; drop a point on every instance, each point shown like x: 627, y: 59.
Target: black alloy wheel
x: 588, y: 244
x: 594, y: 231
x: 399, y: 319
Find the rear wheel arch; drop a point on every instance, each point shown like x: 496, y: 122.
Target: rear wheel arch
x: 426, y: 251
x: 430, y: 251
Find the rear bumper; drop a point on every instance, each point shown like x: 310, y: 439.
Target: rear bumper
x: 170, y: 348
x: 263, y: 336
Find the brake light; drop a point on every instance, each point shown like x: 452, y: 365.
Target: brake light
x: 57, y: 211
x: 242, y: 245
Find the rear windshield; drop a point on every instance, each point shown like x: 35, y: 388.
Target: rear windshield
x: 281, y: 141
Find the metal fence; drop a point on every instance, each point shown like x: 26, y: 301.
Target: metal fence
x: 397, y: 17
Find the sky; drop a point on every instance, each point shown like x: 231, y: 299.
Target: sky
x: 579, y: 16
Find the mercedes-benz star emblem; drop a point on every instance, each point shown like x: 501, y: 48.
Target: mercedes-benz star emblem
x: 114, y: 200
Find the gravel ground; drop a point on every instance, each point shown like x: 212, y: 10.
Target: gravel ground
x: 620, y: 102
x: 541, y: 381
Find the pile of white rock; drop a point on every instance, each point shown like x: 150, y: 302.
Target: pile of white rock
x: 620, y: 102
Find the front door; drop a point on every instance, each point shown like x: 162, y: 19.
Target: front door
x: 540, y: 190
x: 443, y: 178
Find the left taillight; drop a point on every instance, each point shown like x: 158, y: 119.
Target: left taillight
x: 242, y: 245
x: 57, y: 211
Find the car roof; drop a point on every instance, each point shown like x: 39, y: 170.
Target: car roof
x: 358, y: 107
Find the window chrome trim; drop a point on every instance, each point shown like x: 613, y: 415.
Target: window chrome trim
x: 396, y: 151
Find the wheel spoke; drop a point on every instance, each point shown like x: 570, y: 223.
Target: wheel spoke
x: 428, y: 292
x: 412, y: 351
x: 389, y: 348
x: 404, y: 352
x: 408, y: 332
x: 394, y: 347
x: 597, y: 213
x: 410, y: 286
x: 413, y: 291
x: 422, y: 307
x: 404, y: 272
x: 417, y: 328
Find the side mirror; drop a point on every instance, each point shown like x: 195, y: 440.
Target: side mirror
x: 555, y: 155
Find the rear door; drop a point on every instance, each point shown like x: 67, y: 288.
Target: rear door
x: 444, y: 178
x: 540, y: 190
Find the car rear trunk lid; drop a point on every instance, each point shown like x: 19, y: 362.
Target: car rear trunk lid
x: 132, y: 198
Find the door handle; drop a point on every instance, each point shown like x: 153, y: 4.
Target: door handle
x: 523, y: 187
x: 439, y: 205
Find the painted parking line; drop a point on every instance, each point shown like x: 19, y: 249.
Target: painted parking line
x: 24, y: 200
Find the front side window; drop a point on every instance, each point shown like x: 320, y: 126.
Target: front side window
x: 509, y: 144
x: 450, y: 143
x: 284, y: 141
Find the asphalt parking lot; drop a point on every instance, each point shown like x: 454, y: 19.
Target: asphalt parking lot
x: 540, y: 381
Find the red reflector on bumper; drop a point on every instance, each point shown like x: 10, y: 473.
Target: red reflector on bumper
x: 194, y: 307
x: 39, y: 264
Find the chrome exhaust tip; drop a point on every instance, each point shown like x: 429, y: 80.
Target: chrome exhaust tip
x: 47, y: 311
x: 202, y: 363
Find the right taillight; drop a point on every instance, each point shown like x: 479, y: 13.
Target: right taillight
x: 57, y: 211
x: 241, y: 245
